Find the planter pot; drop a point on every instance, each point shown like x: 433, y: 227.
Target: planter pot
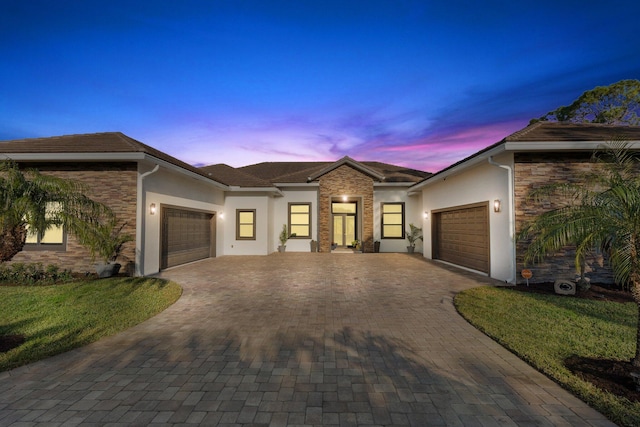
x: 314, y: 246
x: 107, y: 269
x: 333, y: 247
x: 376, y: 247
x: 410, y: 249
x: 282, y: 248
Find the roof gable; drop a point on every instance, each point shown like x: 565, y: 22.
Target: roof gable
x: 547, y: 136
x: 348, y: 161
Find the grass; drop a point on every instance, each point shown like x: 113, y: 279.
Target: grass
x: 544, y: 330
x: 55, y: 319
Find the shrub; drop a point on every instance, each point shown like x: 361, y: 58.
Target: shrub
x: 32, y: 274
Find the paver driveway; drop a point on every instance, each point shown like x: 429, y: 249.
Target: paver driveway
x: 297, y: 339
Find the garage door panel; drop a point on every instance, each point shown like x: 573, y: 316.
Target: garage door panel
x: 186, y: 236
x: 462, y: 237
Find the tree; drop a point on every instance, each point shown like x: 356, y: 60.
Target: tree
x: 601, y: 213
x: 616, y: 104
x: 32, y: 203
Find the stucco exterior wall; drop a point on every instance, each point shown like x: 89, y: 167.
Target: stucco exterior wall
x: 170, y: 188
x: 345, y: 181
x: 263, y: 244
x: 281, y: 216
x: 413, y: 214
x: 113, y: 184
x: 535, y: 170
x: 481, y: 183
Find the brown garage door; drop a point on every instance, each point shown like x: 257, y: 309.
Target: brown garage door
x: 462, y: 236
x: 186, y: 236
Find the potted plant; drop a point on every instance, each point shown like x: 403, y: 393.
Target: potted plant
x: 105, y: 240
x: 414, y: 234
x: 356, y: 245
x: 284, y: 236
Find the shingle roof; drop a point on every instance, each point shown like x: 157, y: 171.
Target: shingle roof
x: 556, y: 131
x: 545, y: 131
x: 232, y: 176
x: 91, y: 143
x: 299, y: 172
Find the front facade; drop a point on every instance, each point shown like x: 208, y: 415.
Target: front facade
x: 470, y: 212
x: 179, y: 214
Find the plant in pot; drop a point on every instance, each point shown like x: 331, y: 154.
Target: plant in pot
x: 105, y: 240
x: 414, y: 234
x: 284, y: 236
x: 356, y: 245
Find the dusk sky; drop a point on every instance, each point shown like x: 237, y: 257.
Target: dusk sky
x: 415, y: 83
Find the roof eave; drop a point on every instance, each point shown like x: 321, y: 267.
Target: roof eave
x: 471, y: 161
x: 519, y: 146
x: 271, y: 190
x: 110, y: 157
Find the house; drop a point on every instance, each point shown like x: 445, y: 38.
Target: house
x: 469, y: 212
x: 179, y: 213
x: 474, y: 208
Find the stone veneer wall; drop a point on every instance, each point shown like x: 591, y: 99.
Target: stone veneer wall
x: 114, y: 184
x: 346, y: 181
x: 533, y: 171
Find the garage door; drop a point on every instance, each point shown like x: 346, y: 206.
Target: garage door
x: 462, y: 236
x: 186, y: 236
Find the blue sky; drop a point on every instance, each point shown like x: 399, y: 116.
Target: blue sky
x: 415, y: 83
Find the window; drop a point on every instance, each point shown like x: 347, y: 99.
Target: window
x: 245, y: 224
x: 392, y: 220
x: 54, y: 238
x: 300, y: 219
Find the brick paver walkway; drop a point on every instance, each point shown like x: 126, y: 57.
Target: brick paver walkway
x: 297, y: 339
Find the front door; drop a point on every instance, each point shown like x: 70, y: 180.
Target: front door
x: 344, y: 223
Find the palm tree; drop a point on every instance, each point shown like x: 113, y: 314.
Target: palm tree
x: 32, y: 203
x: 601, y: 213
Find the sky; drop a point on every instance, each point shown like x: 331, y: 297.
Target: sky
x: 421, y: 84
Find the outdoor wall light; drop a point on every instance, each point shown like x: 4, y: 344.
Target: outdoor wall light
x: 152, y: 209
x: 345, y: 198
x: 221, y: 215
x: 497, y: 206
x: 426, y: 215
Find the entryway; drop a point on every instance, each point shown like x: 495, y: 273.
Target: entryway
x: 344, y: 216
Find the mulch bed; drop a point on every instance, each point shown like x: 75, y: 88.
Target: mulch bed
x: 613, y: 376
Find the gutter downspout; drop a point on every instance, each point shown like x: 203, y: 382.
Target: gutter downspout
x: 140, y: 233
x: 512, y: 226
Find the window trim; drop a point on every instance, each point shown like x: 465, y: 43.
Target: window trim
x: 39, y: 246
x: 238, y: 224
x: 382, y: 224
x: 308, y: 236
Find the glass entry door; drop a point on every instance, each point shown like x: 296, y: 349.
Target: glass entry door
x: 344, y: 223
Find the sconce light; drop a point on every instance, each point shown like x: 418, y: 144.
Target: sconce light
x: 152, y: 209
x: 345, y: 198
x: 426, y: 215
x: 221, y: 215
x: 497, y: 206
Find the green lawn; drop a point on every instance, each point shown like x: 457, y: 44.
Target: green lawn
x: 546, y: 329
x: 58, y: 318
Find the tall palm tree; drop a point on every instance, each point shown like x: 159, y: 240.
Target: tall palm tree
x: 603, y: 212
x: 31, y: 202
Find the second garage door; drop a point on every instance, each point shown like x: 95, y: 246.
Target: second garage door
x: 461, y: 236
x: 186, y: 236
